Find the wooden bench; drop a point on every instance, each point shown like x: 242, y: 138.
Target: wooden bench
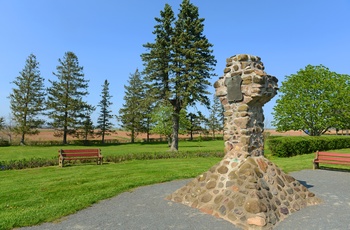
x: 331, y: 158
x: 79, y: 154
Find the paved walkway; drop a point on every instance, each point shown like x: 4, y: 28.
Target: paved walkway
x: 146, y: 208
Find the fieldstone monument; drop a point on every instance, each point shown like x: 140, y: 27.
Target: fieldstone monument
x: 245, y: 188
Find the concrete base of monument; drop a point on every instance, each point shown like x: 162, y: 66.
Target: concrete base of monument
x: 252, y: 194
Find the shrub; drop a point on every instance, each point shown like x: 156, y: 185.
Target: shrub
x: 27, y: 163
x: 291, y: 146
x: 160, y: 155
x: 4, y: 143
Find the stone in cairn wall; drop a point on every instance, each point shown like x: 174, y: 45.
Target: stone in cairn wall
x: 245, y: 188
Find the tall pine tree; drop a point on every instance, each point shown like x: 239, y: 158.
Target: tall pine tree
x: 131, y: 114
x: 179, y: 63
x: 86, y: 128
x: 104, y: 123
x: 215, y: 120
x: 28, y: 99
x: 65, y: 97
x: 2, y: 123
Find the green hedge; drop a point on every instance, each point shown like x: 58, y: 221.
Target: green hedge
x: 288, y: 146
x: 4, y: 143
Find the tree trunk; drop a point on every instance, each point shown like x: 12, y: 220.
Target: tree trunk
x: 22, y: 139
x: 65, y: 135
x: 176, y: 124
x: 132, y: 135
x: 103, y: 137
x: 169, y: 140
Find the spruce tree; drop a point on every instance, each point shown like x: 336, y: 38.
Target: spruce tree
x: 65, y: 97
x: 104, y: 123
x: 131, y: 114
x: 215, y: 120
x: 2, y: 123
x: 158, y: 59
x: 27, y: 100
x: 179, y: 63
x: 86, y: 128
x: 195, y: 123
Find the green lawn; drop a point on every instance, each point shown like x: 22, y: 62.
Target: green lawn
x: 27, y: 152
x: 33, y: 196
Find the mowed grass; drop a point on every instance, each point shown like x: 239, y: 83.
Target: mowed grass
x: 33, y: 196
x: 48, y: 152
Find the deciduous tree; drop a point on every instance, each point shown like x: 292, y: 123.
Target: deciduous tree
x: 312, y: 100
x: 162, y: 121
x: 27, y: 100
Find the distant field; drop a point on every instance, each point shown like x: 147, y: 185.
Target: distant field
x: 123, y: 136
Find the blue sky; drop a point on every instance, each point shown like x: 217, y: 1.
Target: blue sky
x: 107, y: 36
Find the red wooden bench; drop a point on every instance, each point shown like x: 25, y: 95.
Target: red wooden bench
x: 331, y: 158
x: 79, y: 154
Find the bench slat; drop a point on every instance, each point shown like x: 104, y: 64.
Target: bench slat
x: 335, y: 162
x: 80, y: 150
x: 334, y: 154
x: 79, y: 154
x: 333, y: 159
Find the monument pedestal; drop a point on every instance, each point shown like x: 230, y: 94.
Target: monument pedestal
x: 252, y: 194
x: 245, y: 188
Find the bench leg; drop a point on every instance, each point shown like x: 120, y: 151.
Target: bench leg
x: 60, y: 162
x: 316, y: 165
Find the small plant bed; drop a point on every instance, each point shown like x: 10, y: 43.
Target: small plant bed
x: 79, y: 154
x: 331, y: 158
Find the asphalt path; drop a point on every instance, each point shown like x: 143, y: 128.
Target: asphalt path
x: 146, y: 208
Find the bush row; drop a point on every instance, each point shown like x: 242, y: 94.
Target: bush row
x: 160, y: 155
x: 41, y: 162
x: 72, y: 142
x: 27, y: 163
x: 288, y: 146
x: 4, y: 143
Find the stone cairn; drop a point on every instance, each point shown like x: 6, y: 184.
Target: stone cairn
x: 245, y: 188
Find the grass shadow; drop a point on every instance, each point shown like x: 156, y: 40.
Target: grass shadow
x: 347, y: 170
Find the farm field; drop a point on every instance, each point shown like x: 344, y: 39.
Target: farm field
x: 123, y: 136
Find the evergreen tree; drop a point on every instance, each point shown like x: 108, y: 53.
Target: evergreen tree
x: 131, y: 114
x: 65, y: 97
x: 28, y: 99
x: 86, y: 127
x: 194, y: 123
x: 104, y: 120
x: 179, y: 63
x: 148, y: 106
x: 2, y: 123
x: 215, y: 121
x: 159, y: 57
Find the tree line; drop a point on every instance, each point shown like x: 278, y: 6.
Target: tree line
x: 62, y: 102
x: 177, y: 67
x: 70, y: 115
